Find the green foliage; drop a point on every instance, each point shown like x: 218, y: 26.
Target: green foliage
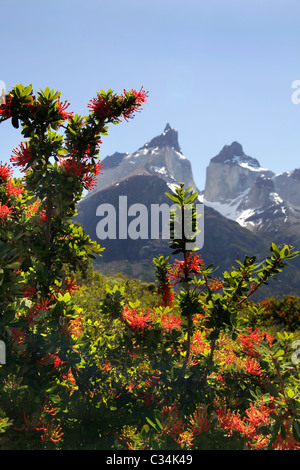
x: 283, y: 313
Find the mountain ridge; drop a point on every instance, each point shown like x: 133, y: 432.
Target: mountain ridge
x: 236, y: 183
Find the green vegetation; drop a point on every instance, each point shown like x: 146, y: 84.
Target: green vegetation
x: 100, y: 362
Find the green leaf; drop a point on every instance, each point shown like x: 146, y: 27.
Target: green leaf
x: 159, y: 423
x: 275, y: 249
x: 279, y: 353
x: 284, y: 252
x: 172, y: 196
x: 151, y: 423
x: 296, y: 430
x: 191, y: 198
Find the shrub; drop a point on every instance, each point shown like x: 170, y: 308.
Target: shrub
x: 283, y: 312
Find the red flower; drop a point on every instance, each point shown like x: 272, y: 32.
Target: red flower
x: 170, y: 322
x: 252, y: 366
x: 31, y: 210
x: 52, y: 432
x: 101, y: 107
x: 140, y: 96
x: 5, y: 171
x: 215, y: 284
x: 89, y: 181
x: 198, y: 344
x: 172, y: 424
x: 30, y: 425
x: 43, y: 216
x: 137, y: 98
x: 252, y: 339
x: 258, y: 414
x: 18, y: 335
x: 229, y: 420
x: 199, y: 421
x: 41, y: 304
x: 5, y: 211
x: 71, y: 286
x: 185, y: 438
x: 98, y: 168
x: 22, y: 156
x: 74, y: 167
x: 58, y: 362
x: 29, y: 291
x: 137, y: 320
x: 13, y: 190
x: 61, y: 107
x: 113, y: 106
x: 181, y: 270
x: 167, y: 295
x: 5, y: 108
x: 288, y: 442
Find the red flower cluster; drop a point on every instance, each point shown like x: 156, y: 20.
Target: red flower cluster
x: 71, y: 285
x: 256, y: 415
x: 83, y: 169
x: 102, y: 108
x: 140, y: 97
x: 21, y: 156
x: 114, y: 107
x: 43, y: 216
x: 198, y: 344
x: 71, y: 327
x: 172, y: 424
x: 13, y: 190
x: 51, y: 432
x: 5, y: 109
x: 182, y: 270
x: 29, y: 291
x: 41, y: 304
x: 170, y: 321
x: 138, y: 320
x: 61, y: 109
x: 5, y: 171
x: 252, y: 339
x: 252, y: 366
x: 215, y: 284
x: 167, y: 295
x: 199, y: 421
x: 287, y: 443
x: 5, y: 211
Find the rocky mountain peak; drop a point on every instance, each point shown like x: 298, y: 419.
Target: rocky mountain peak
x: 112, y: 161
x: 161, y: 157
x: 169, y: 138
x: 234, y: 154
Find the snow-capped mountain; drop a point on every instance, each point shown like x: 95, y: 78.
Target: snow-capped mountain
x: 161, y: 156
x: 239, y: 194
x: 239, y: 188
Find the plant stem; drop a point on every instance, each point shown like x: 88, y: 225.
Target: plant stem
x: 210, y: 360
x: 188, y: 351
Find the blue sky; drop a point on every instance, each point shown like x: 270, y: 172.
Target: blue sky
x: 217, y: 70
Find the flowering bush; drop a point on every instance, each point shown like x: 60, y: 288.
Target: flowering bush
x: 187, y: 370
x: 281, y: 312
